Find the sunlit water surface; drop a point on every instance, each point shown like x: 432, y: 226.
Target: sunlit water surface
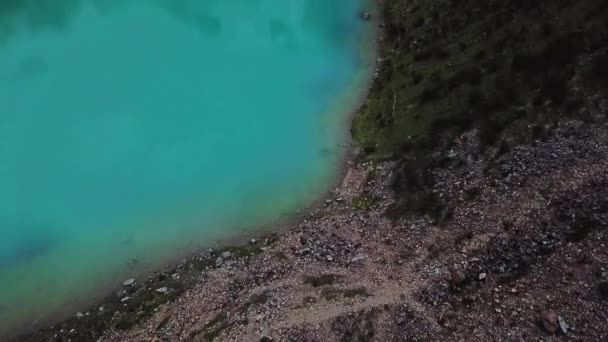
x: 132, y: 132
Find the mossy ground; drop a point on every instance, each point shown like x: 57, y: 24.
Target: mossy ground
x: 364, y: 201
x: 453, y: 63
x: 447, y: 66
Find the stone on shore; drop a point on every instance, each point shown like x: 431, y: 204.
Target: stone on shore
x: 129, y: 282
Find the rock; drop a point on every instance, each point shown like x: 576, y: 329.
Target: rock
x: 79, y: 315
x: 505, y: 322
x: 583, y: 273
x: 549, y: 321
x: 562, y: 324
x: 219, y: 261
x: 458, y: 277
x: 129, y: 282
x: 366, y: 16
x: 483, y: 275
x: 226, y: 255
x: 162, y: 290
x: 125, y: 299
x: 358, y: 258
x: 329, y: 258
x: 266, y: 338
x: 253, y: 241
x: 602, y: 288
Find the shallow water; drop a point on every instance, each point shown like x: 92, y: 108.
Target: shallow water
x: 134, y: 131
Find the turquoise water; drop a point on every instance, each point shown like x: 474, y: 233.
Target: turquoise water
x: 132, y: 132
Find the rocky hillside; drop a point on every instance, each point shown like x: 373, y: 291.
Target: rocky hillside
x: 510, y: 69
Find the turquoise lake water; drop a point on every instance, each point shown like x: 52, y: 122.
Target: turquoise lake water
x: 133, y: 132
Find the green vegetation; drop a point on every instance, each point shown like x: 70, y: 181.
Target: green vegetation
x: 211, y: 330
x: 364, y: 201
x: 447, y: 66
x: 331, y: 292
x: 361, y: 291
x: 244, y: 250
x: 321, y: 280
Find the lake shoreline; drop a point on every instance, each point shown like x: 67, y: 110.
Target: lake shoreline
x: 242, y: 244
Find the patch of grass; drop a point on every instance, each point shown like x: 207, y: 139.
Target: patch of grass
x: 602, y: 289
x: 597, y: 71
x: 245, y: 250
x: 361, y: 291
x: 490, y: 60
x: 250, y: 249
x: 462, y: 237
x: 215, y: 327
x: 259, y: 298
x: 280, y: 256
x: 364, y: 201
x: 331, y: 292
x: 322, y: 280
x: 599, y: 66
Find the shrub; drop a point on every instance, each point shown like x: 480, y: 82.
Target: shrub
x: 462, y: 46
x: 492, y: 65
x: 539, y: 132
x: 506, y: 86
x: 479, y: 55
x: 468, y: 74
x: 418, y: 22
x: 358, y: 291
x: 599, y: 67
x: 475, y: 97
x: 564, y: 49
x: 460, y: 120
x: 441, y: 53
x: 416, y: 77
x: 503, y: 147
x: 572, y: 104
x: 425, y: 203
x: 430, y: 93
x: 386, y: 70
x: 321, y: 280
x: 555, y: 87
x: 526, y: 61
x: 489, y: 132
x: 423, y: 55
x: 547, y: 29
x: 412, y: 176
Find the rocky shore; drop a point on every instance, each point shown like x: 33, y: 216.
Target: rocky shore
x: 522, y: 257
